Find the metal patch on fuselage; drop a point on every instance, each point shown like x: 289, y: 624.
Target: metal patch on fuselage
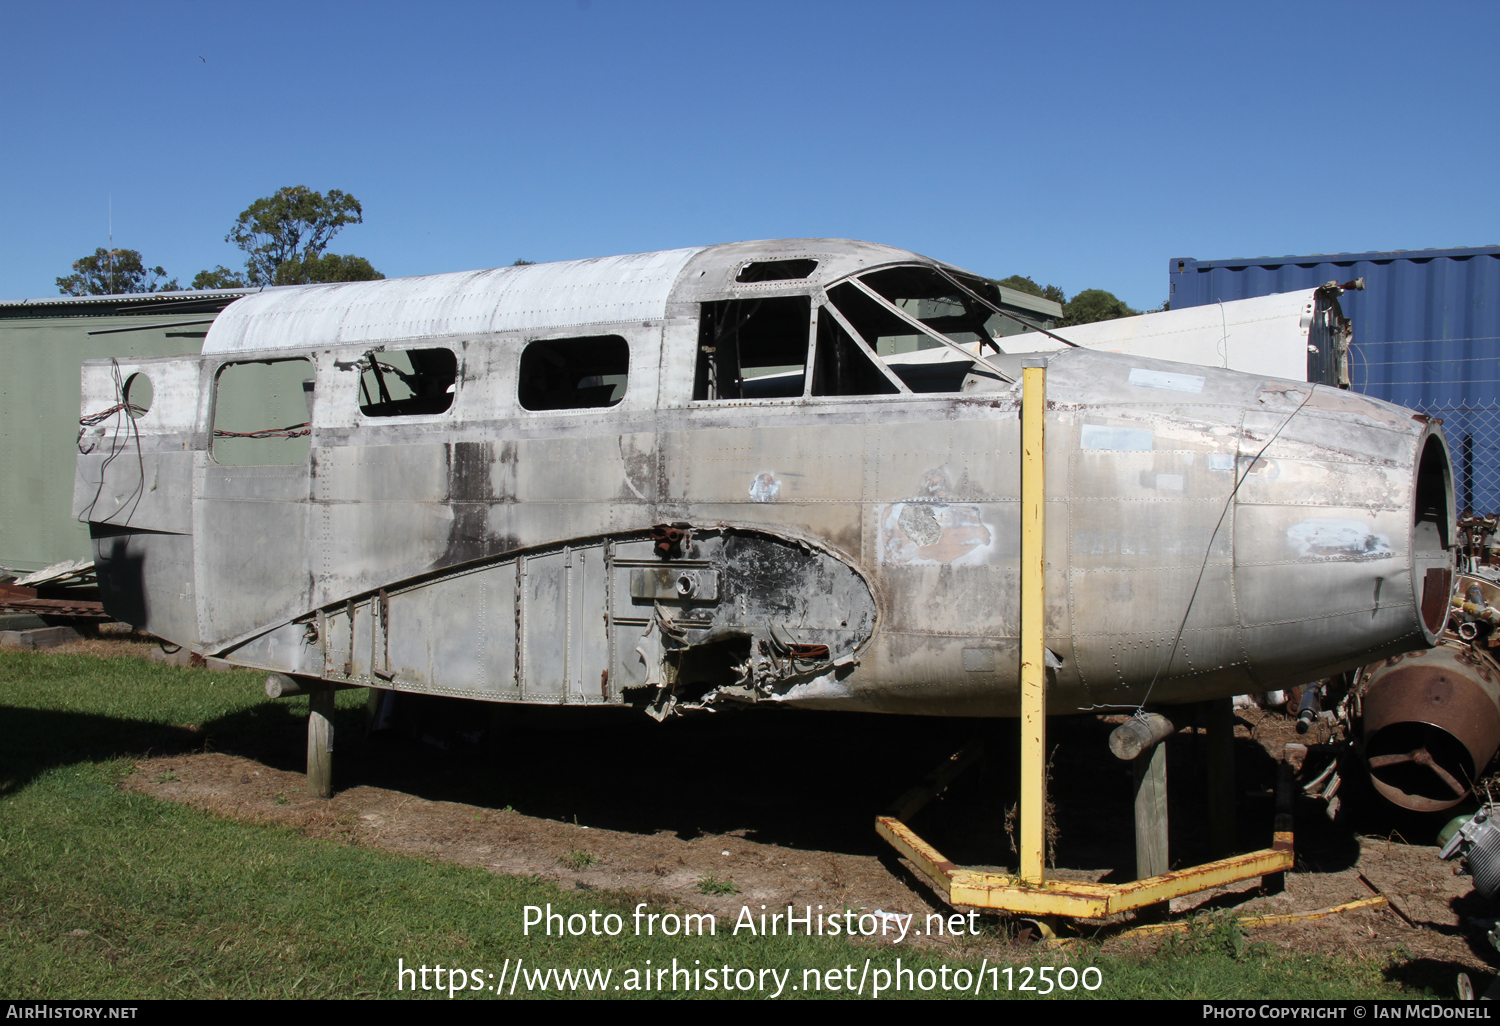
x: 1117, y: 439
x: 765, y: 488
x: 934, y: 533
x: 1173, y: 380
x: 1337, y: 538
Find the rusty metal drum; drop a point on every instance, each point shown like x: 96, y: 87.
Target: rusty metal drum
x: 1431, y: 725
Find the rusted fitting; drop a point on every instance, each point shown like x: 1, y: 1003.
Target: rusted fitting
x: 670, y: 539
x: 1486, y: 612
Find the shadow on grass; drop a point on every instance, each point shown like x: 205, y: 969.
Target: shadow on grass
x: 1437, y: 977
x: 38, y: 740
x: 797, y: 779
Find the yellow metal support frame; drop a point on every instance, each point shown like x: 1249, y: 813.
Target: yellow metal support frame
x: 1030, y: 893
x: 1033, y: 627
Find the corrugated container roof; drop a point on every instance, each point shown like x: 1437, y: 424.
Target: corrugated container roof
x: 1341, y: 258
x: 1426, y: 334
x: 121, y: 304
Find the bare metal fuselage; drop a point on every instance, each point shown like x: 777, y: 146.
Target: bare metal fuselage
x: 828, y: 550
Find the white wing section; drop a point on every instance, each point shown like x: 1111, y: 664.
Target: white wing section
x: 1266, y: 335
x: 536, y: 297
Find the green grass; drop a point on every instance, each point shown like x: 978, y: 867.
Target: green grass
x: 111, y: 894
x: 578, y: 859
x: 713, y: 884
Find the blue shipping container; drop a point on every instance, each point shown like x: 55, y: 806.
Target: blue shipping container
x: 1426, y: 336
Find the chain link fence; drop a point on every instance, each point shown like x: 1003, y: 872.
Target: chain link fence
x: 1474, y: 440
x: 1459, y: 379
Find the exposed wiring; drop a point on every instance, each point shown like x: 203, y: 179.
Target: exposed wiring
x: 286, y: 432
x: 96, y: 418
x: 1364, y: 361
x: 117, y: 444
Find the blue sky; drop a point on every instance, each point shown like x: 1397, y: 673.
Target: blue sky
x: 1083, y: 144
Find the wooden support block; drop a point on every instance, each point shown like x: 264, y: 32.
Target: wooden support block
x: 1221, y: 819
x: 1140, y: 732
x: 320, y: 743
x: 1151, y: 837
x: 279, y: 685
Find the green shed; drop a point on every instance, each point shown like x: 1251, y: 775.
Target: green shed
x: 43, y: 343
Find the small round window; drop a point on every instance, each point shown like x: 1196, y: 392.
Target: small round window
x: 138, y: 394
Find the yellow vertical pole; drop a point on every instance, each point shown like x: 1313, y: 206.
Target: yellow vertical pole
x: 1033, y: 623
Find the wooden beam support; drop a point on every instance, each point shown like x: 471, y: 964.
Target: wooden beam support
x: 1221, y: 830
x: 320, y: 743
x: 280, y: 685
x: 1151, y: 824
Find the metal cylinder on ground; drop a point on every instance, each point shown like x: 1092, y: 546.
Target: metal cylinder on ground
x: 1431, y: 725
x: 1310, y: 707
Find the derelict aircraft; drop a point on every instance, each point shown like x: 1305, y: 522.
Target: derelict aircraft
x: 758, y: 472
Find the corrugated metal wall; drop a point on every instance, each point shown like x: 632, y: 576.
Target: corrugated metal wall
x: 1426, y: 335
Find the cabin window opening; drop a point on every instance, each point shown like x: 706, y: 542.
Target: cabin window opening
x: 574, y: 373
x: 408, y: 382
x: 753, y: 348
x: 776, y: 270
x: 842, y: 367
x: 263, y: 413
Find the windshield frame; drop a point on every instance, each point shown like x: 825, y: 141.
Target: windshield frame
x: 933, y: 333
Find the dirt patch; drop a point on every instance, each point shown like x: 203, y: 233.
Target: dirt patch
x: 506, y: 841
x: 798, y: 848
x: 776, y: 807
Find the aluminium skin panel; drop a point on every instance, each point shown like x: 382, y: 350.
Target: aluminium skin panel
x: 1426, y: 335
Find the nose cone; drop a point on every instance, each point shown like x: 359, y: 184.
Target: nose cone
x: 1230, y: 533
x: 1342, y: 535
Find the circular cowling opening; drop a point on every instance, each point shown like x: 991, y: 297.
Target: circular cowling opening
x: 1431, y: 723
x: 1432, y: 529
x: 1419, y: 766
x: 138, y: 394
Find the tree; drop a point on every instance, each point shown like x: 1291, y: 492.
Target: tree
x: 326, y: 268
x: 1092, y: 305
x: 111, y: 272
x: 220, y: 277
x: 284, y: 237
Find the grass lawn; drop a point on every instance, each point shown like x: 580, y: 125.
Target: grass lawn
x: 109, y: 894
